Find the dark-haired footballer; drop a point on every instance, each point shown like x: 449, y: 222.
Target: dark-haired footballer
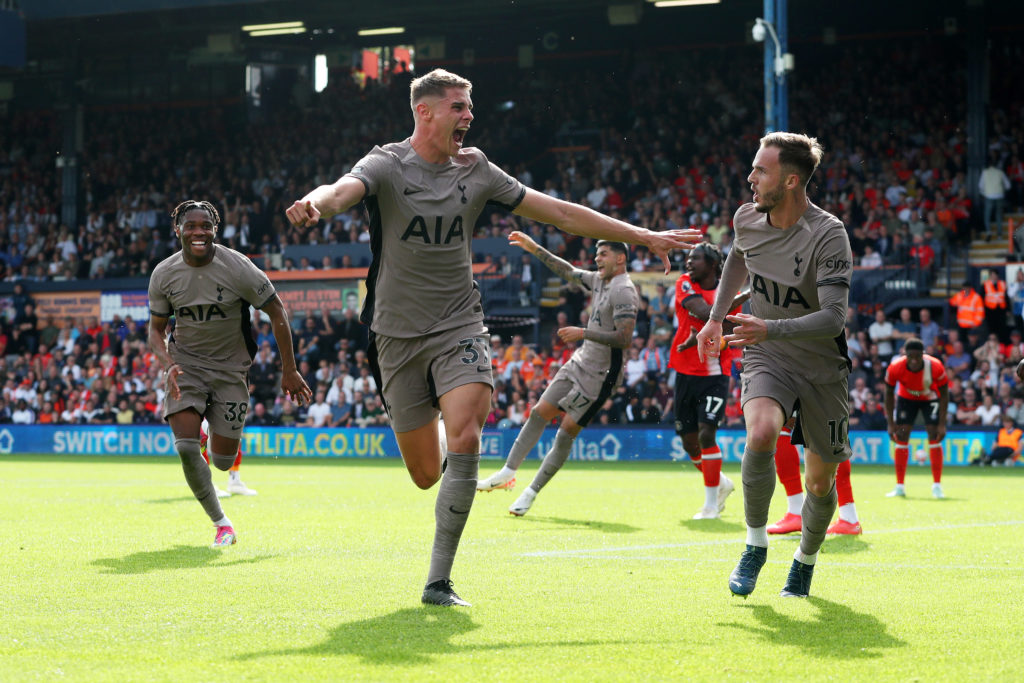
x: 702, y: 385
x: 209, y: 289
x: 589, y: 378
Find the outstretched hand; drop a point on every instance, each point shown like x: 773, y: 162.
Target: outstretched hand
x: 690, y: 342
x: 295, y: 388
x: 571, y: 334
x: 662, y: 243
x: 523, y: 241
x: 171, y: 382
x: 747, y: 330
x: 709, y: 340
x: 302, y: 214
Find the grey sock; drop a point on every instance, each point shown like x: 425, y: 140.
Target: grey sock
x: 816, y: 514
x: 554, y: 460
x: 221, y: 462
x: 528, y: 437
x: 454, y: 501
x: 758, y: 472
x: 197, y: 474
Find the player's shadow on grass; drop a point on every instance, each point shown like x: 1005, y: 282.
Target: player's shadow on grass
x: 413, y: 636
x: 169, y: 501
x: 867, y: 636
x: 408, y: 637
x: 711, y: 525
x: 595, y: 524
x: 178, y: 557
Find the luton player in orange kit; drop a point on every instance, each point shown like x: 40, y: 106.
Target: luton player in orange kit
x: 920, y: 385
x: 702, y: 387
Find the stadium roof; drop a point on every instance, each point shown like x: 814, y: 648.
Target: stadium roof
x: 125, y: 25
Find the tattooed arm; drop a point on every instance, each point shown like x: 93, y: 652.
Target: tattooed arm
x: 619, y: 339
x: 624, y: 305
x: 559, y: 267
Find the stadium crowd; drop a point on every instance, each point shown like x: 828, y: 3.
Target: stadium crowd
x: 637, y: 143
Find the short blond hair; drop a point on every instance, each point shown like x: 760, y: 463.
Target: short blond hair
x: 798, y: 153
x: 435, y: 83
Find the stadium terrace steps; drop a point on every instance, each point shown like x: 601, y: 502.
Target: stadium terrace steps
x: 549, y: 295
x: 981, y: 252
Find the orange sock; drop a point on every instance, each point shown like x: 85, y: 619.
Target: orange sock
x: 712, y: 465
x: 901, y: 454
x: 843, y: 488
x: 935, y: 454
x: 787, y: 464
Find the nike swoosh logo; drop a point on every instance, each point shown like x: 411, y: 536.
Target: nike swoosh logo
x: 411, y: 190
x: 174, y: 293
x: 753, y: 255
x: 236, y: 428
x: 458, y: 512
x: 838, y: 452
x: 484, y: 369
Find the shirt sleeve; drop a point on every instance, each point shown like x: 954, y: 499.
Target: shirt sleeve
x: 159, y: 304
x: 257, y: 288
x: 835, y: 260
x: 372, y: 169
x: 505, y: 191
x: 624, y: 303
x: 588, y: 279
x: 890, y: 375
x: 734, y: 274
x: 825, y: 323
x: 685, y: 289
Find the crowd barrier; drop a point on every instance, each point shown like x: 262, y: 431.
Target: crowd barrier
x: 593, y: 444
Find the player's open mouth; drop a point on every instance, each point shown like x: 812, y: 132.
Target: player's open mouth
x: 459, y: 135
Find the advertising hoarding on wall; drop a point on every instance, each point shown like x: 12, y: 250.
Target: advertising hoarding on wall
x: 594, y: 444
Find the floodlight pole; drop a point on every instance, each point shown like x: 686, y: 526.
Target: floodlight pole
x: 776, y: 90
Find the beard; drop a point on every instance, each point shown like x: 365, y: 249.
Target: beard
x: 770, y: 200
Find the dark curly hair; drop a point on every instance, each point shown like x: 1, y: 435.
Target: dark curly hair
x: 712, y: 254
x: 180, y: 210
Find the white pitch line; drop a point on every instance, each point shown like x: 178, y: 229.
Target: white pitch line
x: 786, y: 562
x: 599, y: 552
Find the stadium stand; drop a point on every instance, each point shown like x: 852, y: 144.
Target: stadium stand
x: 637, y: 143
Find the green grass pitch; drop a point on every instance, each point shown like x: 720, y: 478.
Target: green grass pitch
x: 108, y: 575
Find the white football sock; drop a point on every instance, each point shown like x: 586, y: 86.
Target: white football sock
x: 795, y: 503
x: 848, y: 513
x: 757, y: 537
x: 806, y: 559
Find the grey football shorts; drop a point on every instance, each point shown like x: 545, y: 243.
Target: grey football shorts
x: 221, y: 396
x: 579, y: 395
x: 414, y: 373
x: 822, y: 410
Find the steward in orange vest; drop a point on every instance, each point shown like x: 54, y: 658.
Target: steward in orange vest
x: 1007, y: 447
x: 995, y: 292
x: 995, y: 305
x: 970, y: 310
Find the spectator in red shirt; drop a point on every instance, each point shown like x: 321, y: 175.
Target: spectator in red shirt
x: 922, y: 253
